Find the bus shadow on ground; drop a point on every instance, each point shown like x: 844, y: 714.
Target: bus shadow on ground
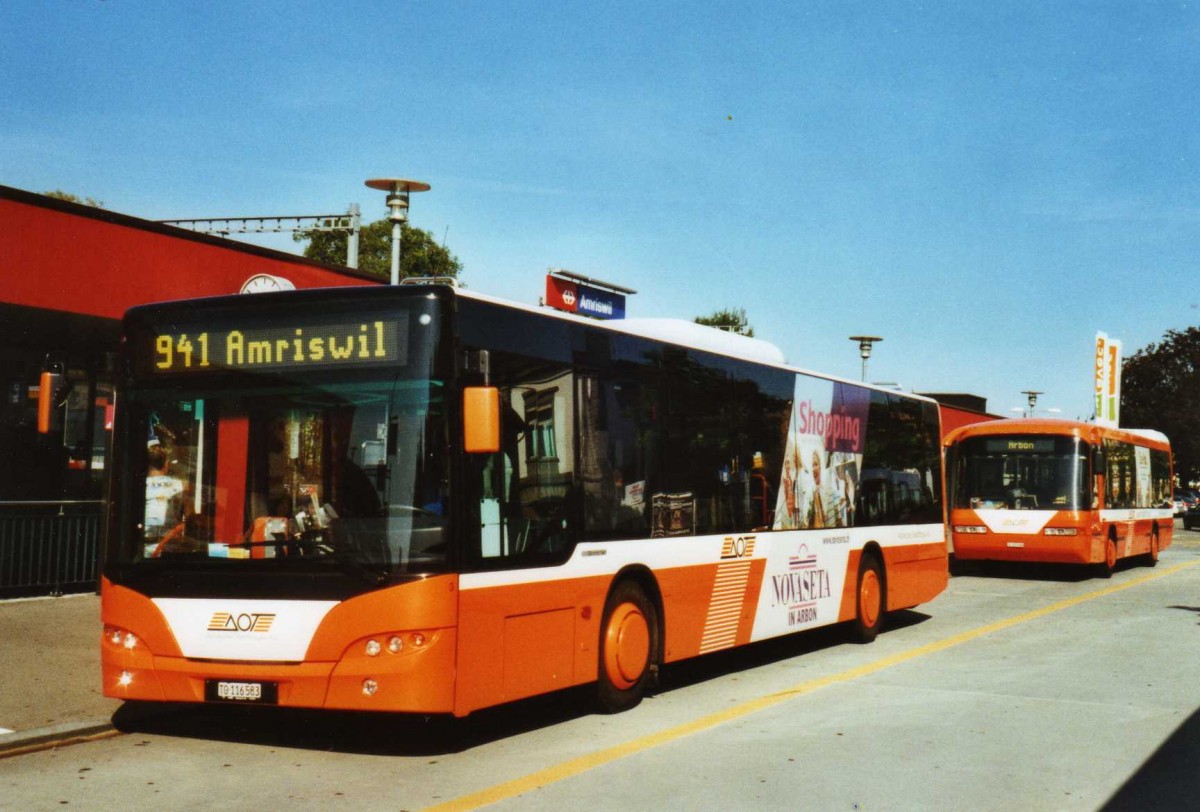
x: 1025, y: 571
x: 774, y: 650
x: 350, y: 732
x: 1168, y: 779
x: 387, y: 734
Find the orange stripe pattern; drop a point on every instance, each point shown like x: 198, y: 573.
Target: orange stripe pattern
x: 725, y: 608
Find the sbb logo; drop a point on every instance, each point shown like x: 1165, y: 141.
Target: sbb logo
x: 568, y: 297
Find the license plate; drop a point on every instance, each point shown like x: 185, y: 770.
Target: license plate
x: 251, y: 691
x: 236, y: 691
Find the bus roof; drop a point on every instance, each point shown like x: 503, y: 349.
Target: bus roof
x: 1091, y: 432
x: 691, y: 335
x: 680, y: 332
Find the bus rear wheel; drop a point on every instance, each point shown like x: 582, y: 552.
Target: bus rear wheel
x: 871, y: 599
x: 629, y: 645
x: 1152, y: 556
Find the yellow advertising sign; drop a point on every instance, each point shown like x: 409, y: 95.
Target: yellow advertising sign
x: 1107, y: 380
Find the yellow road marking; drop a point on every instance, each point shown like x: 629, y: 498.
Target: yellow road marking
x: 582, y: 764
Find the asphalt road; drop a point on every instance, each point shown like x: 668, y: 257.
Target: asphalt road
x: 1018, y: 688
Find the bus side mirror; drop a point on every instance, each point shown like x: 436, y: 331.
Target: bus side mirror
x: 48, y: 392
x: 481, y: 419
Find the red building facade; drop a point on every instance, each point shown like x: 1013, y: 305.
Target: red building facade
x: 69, y: 273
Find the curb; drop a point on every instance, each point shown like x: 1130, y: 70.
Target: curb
x: 46, y: 738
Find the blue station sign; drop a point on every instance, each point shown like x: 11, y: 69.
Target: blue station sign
x: 586, y: 300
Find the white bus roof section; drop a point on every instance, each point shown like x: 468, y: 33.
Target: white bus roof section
x: 702, y: 337
x: 689, y: 334
x: 1150, y: 434
x: 675, y: 331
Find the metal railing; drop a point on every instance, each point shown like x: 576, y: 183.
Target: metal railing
x: 49, y: 548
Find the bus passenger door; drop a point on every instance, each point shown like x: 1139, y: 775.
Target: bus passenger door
x: 517, y: 629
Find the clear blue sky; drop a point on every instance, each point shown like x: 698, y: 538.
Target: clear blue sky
x: 984, y: 184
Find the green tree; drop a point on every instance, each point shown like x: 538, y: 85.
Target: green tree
x: 1160, y: 389
x: 731, y: 320
x: 420, y: 255
x: 59, y: 194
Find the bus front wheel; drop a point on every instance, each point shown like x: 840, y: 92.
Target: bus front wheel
x: 1152, y: 556
x: 871, y: 599
x: 1109, y: 565
x: 629, y: 636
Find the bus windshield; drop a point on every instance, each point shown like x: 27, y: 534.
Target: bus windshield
x: 351, y: 471
x: 286, y: 439
x: 1026, y: 472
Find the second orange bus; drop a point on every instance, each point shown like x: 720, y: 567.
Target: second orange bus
x: 1058, y: 491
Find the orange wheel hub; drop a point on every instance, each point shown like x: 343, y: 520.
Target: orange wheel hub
x: 869, y: 595
x: 626, y: 646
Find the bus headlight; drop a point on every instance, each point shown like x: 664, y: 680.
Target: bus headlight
x: 1060, y: 531
x: 970, y: 528
x: 120, y: 638
x: 393, y: 643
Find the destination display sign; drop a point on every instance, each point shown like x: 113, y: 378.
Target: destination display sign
x: 1017, y: 444
x: 299, y: 345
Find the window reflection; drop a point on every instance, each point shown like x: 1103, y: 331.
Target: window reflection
x: 353, y: 472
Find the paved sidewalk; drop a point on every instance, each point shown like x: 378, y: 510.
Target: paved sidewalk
x: 50, y: 671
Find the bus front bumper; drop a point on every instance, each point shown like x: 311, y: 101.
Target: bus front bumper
x: 414, y: 681
x: 1079, y: 549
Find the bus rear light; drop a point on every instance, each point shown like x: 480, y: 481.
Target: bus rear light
x: 970, y: 528
x: 1060, y: 531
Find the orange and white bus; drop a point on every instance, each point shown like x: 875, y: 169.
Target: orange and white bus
x: 1058, y: 491
x: 424, y: 499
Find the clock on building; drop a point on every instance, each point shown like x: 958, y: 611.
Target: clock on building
x: 265, y: 283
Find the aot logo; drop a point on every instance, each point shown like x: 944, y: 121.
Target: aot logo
x: 740, y: 547
x: 243, y: 622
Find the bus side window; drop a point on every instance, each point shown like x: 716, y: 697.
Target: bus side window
x: 1099, y: 465
x: 612, y: 458
x: 526, y: 490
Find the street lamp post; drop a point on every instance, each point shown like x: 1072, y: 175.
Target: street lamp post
x: 398, y: 190
x: 864, y: 350
x: 1033, y: 396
